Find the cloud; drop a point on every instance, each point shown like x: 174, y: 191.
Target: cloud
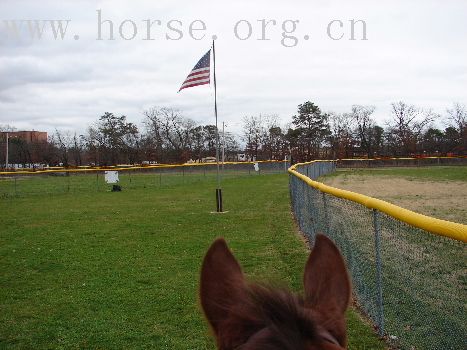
x: 414, y: 52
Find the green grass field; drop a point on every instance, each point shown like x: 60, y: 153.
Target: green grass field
x: 59, y: 183
x: 435, y: 173
x: 100, y: 270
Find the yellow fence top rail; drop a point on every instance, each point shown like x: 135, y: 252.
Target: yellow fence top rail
x: 401, y: 158
x: 84, y: 169
x: 439, y: 227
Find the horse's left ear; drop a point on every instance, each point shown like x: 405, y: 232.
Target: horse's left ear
x: 222, y: 283
x: 325, y: 279
x: 327, y: 286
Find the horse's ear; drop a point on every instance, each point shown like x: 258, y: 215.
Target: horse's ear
x: 221, y: 284
x: 327, y: 284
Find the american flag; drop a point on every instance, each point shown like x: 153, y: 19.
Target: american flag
x: 199, y: 75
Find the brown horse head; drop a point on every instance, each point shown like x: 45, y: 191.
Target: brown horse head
x: 250, y: 316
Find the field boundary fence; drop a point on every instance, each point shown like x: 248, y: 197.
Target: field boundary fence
x: 401, y: 162
x: 408, y: 270
x: 23, y: 183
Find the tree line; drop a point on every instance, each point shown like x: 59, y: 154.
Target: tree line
x: 167, y: 136
x: 314, y: 134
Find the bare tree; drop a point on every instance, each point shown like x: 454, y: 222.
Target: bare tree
x: 254, y: 131
x: 340, y: 139
x: 231, y: 147
x: 63, y: 142
x: 6, y: 128
x: 94, y: 143
x: 458, y: 117
x: 406, y: 127
x: 78, y: 149
x: 364, y: 124
x: 273, y: 141
x: 155, y: 143
x: 170, y: 132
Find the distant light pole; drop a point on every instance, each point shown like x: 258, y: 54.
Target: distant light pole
x: 223, y: 145
x: 6, y: 157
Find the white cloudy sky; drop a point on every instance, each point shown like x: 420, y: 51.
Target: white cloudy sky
x: 416, y: 51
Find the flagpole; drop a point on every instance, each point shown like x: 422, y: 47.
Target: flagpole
x: 219, y: 189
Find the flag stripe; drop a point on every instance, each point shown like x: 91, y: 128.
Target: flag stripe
x: 195, y: 80
x: 197, y: 74
x: 199, y: 71
x: 200, y: 74
x: 194, y: 76
x: 197, y: 77
x: 195, y: 83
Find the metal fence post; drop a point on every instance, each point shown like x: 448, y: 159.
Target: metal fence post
x: 379, y: 281
x: 326, y: 215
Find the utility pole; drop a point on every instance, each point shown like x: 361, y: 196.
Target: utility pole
x: 223, y: 145
x: 6, y: 157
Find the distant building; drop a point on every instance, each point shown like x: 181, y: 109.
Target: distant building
x: 241, y: 157
x: 27, y: 136
x: 209, y: 160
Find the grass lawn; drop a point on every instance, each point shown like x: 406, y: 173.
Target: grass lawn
x: 435, y: 173
x: 102, y: 270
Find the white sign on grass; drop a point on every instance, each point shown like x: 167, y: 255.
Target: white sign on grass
x: 111, y: 177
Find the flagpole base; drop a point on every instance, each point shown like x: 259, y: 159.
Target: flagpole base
x: 219, y: 200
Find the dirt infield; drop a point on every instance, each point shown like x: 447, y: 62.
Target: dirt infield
x: 441, y: 199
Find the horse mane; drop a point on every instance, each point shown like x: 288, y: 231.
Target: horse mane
x: 277, y: 311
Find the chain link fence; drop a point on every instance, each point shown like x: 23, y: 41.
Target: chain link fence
x: 409, y: 282
x: 23, y: 184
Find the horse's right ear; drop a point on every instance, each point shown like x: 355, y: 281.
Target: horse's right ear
x: 221, y: 283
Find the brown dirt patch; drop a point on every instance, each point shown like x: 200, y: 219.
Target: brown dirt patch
x: 442, y: 200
